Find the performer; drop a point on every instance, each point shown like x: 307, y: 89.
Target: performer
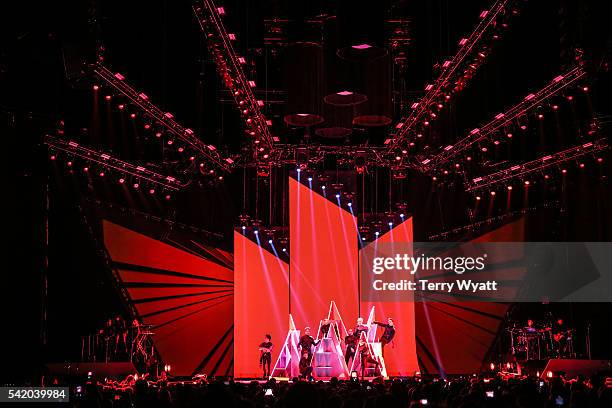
x: 351, y: 346
x: 265, y: 357
x: 120, y: 335
x: 109, y: 338
x: 305, y: 366
x: 325, y: 327
x: 306, y: 342
x: 388, y: 334
x: 360, y: 328
x: 560, y: 334
x: 530, y: 328
x: 365, y: 358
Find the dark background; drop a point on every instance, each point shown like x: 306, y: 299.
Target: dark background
x: 157, y: 45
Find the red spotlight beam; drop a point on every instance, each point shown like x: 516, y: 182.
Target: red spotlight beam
x: 502, y: 119
x: 538, y: 165
x: 230, y: 67
x: 108, y: 162
x: 209, y: 153
x: 407, y: 126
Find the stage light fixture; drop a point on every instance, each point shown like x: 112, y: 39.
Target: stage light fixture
x: 337, y: 195
x: 96, y: 87
x: 167, y: 197
x: 256, y: 232
x: 243, y: 227
x: 121, y: 180
x: 509, y: 188
x: 377, y: 233
x: 350, y: 204
x: 152, y: 191
x: 101, y: 174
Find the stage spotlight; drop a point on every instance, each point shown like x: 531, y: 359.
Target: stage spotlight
x: 493, y: 193
x: 132, y: 115
x: 96, y: 87
x: 402, y: 215
x: 363, y: 238
x: 564, y: 171
x: 284, y: 249
x: 256, y: 232
x: 298, y: 170
x: 85, y: 169
x: 101, y: 174
x: 309, y: 178
x: 337, y: 195
x: 527, y: 182
x: 390, y: 224
x: 582, y: 165
x: 121, y: 180
x: 549, y: 374
x: 350, y: 204
x: 492, y: 366
x: 167, y: 196
x: 377, y: 233
x: 599, y: 160
x: 509, y: 188
x: 477, y: 198
x: 107, y: 97
x: 136, y: 185
x: 152, y: 191
x: 322, y: 187
x: 53, y: 157
x: 270, y: 241
x: 69, y: 164
x: 243, y: 227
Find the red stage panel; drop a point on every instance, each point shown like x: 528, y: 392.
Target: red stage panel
x: 188, y: 298
x: 324, y: 255
x: 455, y: 337
x: 261, y: 304
x: 400, y: 356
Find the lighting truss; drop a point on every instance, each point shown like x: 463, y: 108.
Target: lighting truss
x: 446, y: 81
x: 286, y: 154
x: 230, y: 67
x: 208, y: 153
x: 502, y: 119
x: 538, y: 165
x: 108, y: 162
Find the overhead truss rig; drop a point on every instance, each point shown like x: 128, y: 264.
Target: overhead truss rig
x: 208, y: 153
x: 520, y: 171
x: 441, y: 89
x: 503, y: 119
x: 230, y: 67
x: 111, y: 163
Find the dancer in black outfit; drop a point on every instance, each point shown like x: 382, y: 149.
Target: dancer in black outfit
x: 388, y: 334
x: 351, y: 346
x: 265, y: 358
x: 306, y: 342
